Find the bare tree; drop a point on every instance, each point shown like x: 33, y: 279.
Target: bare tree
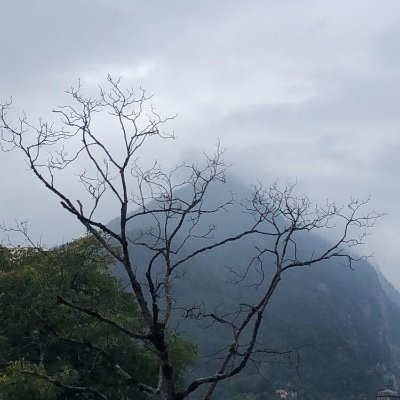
x: 174, y: 206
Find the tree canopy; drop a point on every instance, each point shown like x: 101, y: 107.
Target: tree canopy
x: 42, y: 339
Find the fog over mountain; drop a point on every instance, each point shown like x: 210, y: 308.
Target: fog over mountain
x: 341, y: 326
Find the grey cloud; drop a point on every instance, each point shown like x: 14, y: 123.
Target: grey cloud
x: 305, y: 89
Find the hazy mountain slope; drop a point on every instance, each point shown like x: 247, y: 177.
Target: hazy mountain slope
x: 347, y: 322
x: 389, y: 289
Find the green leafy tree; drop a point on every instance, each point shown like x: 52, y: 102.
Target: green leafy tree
x: 49, y: 349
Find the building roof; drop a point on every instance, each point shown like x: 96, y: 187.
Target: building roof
x: 388, y: 393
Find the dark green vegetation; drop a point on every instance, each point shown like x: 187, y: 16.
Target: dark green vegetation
x: 41, y: 338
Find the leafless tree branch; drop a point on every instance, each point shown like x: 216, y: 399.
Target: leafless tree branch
x: 175, y: 208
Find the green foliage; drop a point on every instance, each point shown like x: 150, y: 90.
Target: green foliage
x: 40, y: 335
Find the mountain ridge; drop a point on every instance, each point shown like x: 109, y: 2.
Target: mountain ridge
x: 346, y: 322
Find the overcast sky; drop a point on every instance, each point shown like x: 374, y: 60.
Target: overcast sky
x: 306, y: 90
